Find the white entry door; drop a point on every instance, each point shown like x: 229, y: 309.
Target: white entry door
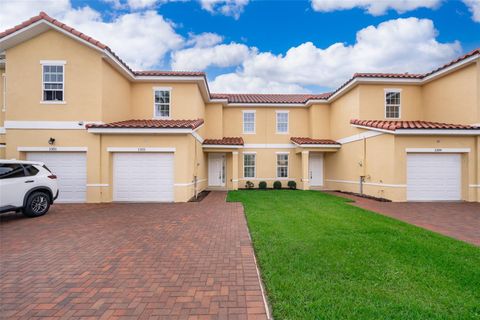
x: 216, y: 169
x: 143, y: 177
x: 315, y: 167
x: 71, y: 171
x: 433, y: 177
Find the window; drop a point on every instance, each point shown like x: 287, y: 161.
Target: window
x: 162, y: 103
x: 11, y: 170
x: 53, y: 82
x: 282, y: 121
x: 249, y: 165
x: 392, y: 104
x: 30, y: 170
x: 248, y: 121
x: 282, y: 165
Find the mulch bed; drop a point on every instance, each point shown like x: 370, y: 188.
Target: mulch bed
x: 202, y: 195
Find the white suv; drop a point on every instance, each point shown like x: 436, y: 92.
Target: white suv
x: 26, y: 186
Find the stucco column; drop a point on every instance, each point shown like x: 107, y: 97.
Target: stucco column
x: 235, y: 170
x: 305, y: 173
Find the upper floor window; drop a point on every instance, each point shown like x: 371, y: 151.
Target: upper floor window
x: 248, y: 121
x: 162, y: 102
x: 282, y: 165
x: 53, y: 78
x: 249, y: 165
x: 282, y: 121
x: 392, y: 103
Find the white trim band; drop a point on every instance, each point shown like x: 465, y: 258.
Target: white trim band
x: 360, y: 136
x: 98, y: 185
x: 379, y: 184
x: 437, y: 150
x: 186, y: 184
x: 139, y: 149
x: 52, y: 149
x: 54, y: 125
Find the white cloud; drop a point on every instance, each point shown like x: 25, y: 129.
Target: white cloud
x: 142, y: 39
x: 200, y: 58
x: 202, y: 40
x: 474, y: 7
x: 141, y: 4
x: 402, y: 45
x: 237, y: 83
x: 226, y: 7
x: 374, y: 7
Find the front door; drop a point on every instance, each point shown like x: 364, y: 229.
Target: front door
x: 216, y: 169
x: 315, y: 167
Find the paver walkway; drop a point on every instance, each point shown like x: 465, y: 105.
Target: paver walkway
x: 130, y: 261
x: 460, y: 220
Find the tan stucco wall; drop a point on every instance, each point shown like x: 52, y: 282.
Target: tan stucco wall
x: 372, y: 101
x: 83, y: 80
x: 186, y: 100
x: 116, y: 95
x: 319, y: 121
x: 214, y: 121
x: 265, y: 124
x: 342, y: 110
x: 453, y: 98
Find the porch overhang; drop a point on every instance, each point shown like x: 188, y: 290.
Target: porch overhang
x: 225, y: 144
x: 315, y: 145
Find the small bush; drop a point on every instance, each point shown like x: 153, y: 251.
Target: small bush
x: 277, y: 185
x: 292, y: 184
x: 262, y: 185
x: 249, y: 185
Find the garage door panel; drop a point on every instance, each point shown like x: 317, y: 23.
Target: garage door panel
x: 433, y: 177
x: 71, y: 171
x: 143, y: 177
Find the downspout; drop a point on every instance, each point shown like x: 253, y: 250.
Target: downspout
x: 4, y: 89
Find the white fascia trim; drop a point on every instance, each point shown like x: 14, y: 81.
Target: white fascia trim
x: 97, y: 185
x: 52, y: 149
x: 451, y: 68
x: 437, y: 150
x: 269, y: 146
x: 55, y: 125
x: 379, y: 184
x: 450, y: 132
x: 2, y: 130
x: 139, y: 149
x: 139, y: 131
x: 360, y: 136
x: 197, y: 136
x: 332, y: 146
x: 222, y: 146
x: 272, y: 105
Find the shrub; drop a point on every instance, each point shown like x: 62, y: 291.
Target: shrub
x: 292, y: 184
x: 262, y: 185
x: 249, y: 185
x: 277, y: 185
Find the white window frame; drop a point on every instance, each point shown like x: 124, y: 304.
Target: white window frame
x: 386, y: 91
x: 154, y: 90
x: 277, y: 166
x: 254, y: 154
x: 276, y: 121
x: 52, y: 63
x: 254, y: 121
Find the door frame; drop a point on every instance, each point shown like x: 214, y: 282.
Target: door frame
x: 217, y: 156
x: 319, y: 155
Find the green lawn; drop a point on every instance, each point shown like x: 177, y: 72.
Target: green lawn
x: 322, y: 258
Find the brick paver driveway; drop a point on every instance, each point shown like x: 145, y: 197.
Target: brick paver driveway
x: 460, y: 220
x: 130, y: 261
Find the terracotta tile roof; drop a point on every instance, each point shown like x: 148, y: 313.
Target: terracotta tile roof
x: 269, y: 98
x: 305, y: 140
x: 150, y: 124
x: 160, y: 73
x: 230, y: 141
x: 465, y: 56
x: 389, y: 75
x: 393, y: 125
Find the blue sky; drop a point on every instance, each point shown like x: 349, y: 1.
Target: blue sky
x: 272, y: 46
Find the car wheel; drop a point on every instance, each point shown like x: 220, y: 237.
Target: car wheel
x: 37, y: 205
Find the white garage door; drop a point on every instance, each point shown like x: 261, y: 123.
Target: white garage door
x: 434, y: 177
x: 143, y: 177
x: 71, y: 171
